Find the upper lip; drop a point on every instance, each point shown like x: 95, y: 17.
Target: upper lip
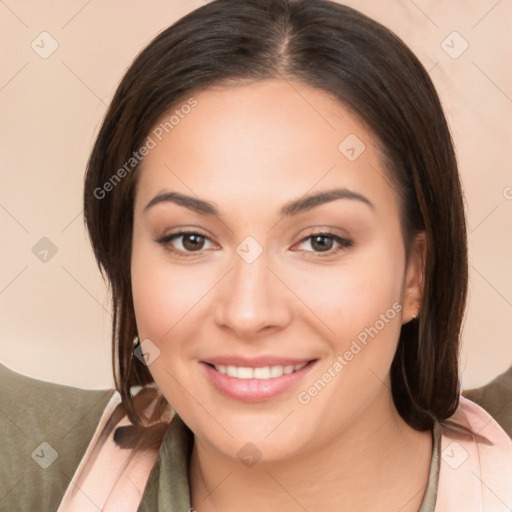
x: 255, y: 362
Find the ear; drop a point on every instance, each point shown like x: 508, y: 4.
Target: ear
x: 414, y: 279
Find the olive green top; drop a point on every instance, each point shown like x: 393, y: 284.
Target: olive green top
x: 47, y: 427
x: 45, y: 430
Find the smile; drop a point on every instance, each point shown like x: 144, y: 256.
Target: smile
x: 263, y: 372
x: 256, y: 383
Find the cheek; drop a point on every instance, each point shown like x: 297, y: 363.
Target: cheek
x: 165, y: 300
x: 359, y: 313
x: 354, y: 294
x: 361, y: 305
x: 164, y: 297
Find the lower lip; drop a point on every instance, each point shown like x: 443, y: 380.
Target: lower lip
x: 254, y: 390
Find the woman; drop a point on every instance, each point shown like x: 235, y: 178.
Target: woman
x: 274, y: 199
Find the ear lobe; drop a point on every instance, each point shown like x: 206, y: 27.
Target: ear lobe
x: 414, y: 277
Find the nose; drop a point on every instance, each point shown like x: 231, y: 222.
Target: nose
x: 252, y: 300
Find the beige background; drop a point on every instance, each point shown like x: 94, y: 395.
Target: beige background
x: 55, y: 314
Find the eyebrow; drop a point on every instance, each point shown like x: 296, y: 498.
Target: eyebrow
x: 291, y: 208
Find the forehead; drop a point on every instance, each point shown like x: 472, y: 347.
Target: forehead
x: 267, y: 139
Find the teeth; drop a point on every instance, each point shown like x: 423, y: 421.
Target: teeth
x: 288, y: 369
x: 276, y: 371
x: 261, y: 373
x: 243, y: 373
x: 264, y: 372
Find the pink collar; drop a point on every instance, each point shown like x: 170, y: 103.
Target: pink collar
x: 476, y: 470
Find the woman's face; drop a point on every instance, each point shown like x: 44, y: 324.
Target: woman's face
x: 271, y: 280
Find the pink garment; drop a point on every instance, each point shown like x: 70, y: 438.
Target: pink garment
x: 475, y: 471
x: 108, y: 483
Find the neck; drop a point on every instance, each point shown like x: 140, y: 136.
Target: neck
x: 378, y: 463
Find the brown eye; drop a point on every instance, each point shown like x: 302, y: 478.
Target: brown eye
x: 321, y: 243
x: 186, y: 243
x: 325, y: 243
x: 193, y: 242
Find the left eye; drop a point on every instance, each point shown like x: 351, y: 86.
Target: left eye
x: 324, y: 242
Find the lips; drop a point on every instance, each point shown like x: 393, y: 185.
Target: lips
x: 257, y: 379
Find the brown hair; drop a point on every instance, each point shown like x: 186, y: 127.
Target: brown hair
x: 369, y: 70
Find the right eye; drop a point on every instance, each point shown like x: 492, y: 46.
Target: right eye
x: 189, y: 242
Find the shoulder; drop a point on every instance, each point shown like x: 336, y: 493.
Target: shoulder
x: 48, y: 426
x: 496, y: 398
x: 475, y: 450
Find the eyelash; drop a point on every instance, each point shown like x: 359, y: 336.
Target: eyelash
x: 165, y: 241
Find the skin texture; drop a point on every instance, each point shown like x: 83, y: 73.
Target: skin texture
x: 250, y: 149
